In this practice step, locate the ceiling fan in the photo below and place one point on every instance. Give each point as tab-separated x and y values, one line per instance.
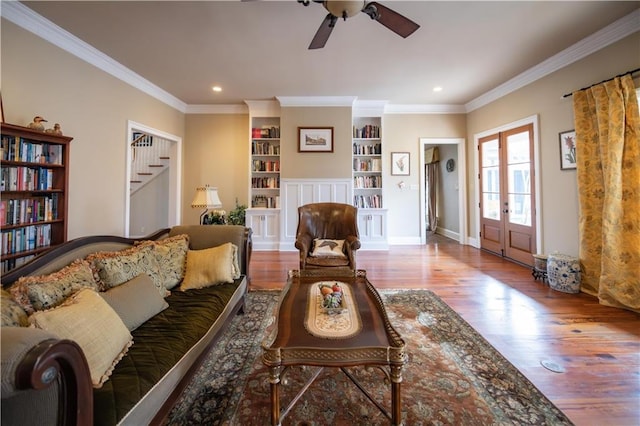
397	23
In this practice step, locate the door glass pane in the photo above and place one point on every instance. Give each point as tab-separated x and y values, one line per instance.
490	179
490	153
518	148
519	178
491	205
520	209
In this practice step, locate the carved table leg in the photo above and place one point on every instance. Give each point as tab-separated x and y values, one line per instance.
274	380
396	395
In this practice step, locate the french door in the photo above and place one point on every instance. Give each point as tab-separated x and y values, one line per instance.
507	201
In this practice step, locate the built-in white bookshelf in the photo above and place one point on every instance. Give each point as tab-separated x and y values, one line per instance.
367	163
265	162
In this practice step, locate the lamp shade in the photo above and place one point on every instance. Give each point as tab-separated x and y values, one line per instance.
206	197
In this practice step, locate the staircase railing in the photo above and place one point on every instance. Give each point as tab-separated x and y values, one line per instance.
150	155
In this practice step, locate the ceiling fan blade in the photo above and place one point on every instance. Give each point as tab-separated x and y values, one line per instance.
397	23
323	33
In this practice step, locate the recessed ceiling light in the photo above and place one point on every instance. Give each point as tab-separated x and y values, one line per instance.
217	89
437	89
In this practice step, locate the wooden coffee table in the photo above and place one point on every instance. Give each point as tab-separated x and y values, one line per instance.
302	336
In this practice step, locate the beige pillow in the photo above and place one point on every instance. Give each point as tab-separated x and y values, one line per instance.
37	293
327	248
135	301
89	321
209	267
236	264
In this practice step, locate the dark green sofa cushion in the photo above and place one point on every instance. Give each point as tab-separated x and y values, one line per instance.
158	345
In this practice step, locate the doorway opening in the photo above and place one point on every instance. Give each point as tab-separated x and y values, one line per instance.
455	181
152	196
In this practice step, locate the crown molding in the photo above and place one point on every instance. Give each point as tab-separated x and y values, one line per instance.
369	108
26	18
316	101
618	30
268	108
216	109
424	109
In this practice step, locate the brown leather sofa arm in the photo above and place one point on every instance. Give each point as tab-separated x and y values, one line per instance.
62	360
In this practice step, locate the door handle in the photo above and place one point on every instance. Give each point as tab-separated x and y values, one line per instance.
505	211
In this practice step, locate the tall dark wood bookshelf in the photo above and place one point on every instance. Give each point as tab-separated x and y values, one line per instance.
34	193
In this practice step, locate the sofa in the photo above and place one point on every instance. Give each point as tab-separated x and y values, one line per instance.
108	330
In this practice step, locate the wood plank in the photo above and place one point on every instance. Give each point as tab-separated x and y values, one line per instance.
524	319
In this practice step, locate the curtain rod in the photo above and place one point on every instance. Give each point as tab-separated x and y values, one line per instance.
603	81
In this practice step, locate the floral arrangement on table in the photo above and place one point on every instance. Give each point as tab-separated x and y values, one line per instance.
220	217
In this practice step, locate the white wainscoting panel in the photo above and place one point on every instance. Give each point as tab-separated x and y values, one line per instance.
298	192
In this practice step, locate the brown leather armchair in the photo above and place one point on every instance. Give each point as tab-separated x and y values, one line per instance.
331	221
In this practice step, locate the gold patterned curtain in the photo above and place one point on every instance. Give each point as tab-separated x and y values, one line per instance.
608	170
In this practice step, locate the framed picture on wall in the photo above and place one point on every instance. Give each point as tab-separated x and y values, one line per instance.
400	163
315	139
568	150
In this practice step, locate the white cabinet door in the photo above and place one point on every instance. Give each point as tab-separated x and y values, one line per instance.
372	226
265	225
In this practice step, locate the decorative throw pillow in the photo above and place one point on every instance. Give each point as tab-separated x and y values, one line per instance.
135	301
37	293
117	267
327	248
89	321
171	254
208	267
13	315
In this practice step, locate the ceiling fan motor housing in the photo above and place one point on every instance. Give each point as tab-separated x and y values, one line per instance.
344	9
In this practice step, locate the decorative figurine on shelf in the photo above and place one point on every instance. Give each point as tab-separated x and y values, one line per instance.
36	124
56	130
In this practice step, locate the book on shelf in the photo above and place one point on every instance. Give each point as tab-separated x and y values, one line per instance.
367	149
265	132
368	201
368	131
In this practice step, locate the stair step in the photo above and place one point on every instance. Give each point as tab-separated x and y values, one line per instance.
165	158
145	174
156	165
135	181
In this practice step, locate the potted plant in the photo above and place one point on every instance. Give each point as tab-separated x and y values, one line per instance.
237	215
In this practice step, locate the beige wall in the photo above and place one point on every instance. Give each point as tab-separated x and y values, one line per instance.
216	153
309	165
92	107
403	133
559	199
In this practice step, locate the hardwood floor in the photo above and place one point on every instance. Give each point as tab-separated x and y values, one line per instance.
597	346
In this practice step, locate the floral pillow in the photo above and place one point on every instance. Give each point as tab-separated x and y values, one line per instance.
13	315
37	293
118	267
171	254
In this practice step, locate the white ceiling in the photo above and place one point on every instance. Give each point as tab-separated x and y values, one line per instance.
258	49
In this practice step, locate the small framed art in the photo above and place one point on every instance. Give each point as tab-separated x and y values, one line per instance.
567	150
400	163
315	139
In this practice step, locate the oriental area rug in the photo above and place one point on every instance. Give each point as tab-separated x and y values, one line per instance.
453	376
